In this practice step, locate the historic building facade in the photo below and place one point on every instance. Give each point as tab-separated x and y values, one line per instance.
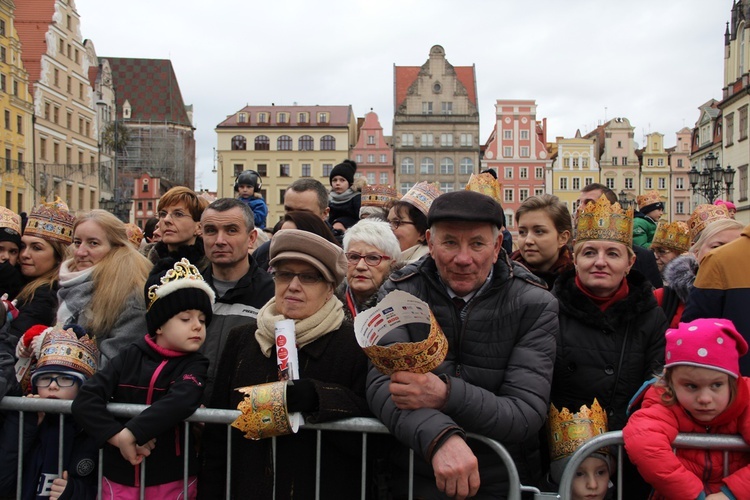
679	183
655	169
435	123
618	162
575	166
372	153
706	139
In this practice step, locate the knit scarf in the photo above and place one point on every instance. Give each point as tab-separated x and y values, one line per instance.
73	297
604	302
343	197
327	319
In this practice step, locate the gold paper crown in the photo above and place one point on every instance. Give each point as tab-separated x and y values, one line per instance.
486	184
568	431
134	233
702	216
51	221
603	221
674	236
648	198
415	357
378	195
421	195
10	220
64	348
182	275
264	411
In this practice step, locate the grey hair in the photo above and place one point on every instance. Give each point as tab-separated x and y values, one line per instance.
376	233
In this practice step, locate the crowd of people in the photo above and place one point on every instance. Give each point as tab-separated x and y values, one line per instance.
600	320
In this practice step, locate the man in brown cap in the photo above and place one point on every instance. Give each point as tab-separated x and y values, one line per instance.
501	326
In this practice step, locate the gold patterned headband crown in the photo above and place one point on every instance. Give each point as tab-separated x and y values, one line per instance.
51	221
486	184
568	431
702	216
422	195
648	198
64	348
605	221
182	275
10	220
378	195
674	236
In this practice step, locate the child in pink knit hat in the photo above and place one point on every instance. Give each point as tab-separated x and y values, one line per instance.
700	391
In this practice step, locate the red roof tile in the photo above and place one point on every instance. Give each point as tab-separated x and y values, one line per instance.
338	116
406	75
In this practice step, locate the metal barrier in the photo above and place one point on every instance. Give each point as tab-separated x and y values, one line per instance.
216	416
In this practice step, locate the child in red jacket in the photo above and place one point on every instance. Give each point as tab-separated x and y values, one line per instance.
700	391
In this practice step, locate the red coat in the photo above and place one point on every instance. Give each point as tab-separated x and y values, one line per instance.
651	430
674	321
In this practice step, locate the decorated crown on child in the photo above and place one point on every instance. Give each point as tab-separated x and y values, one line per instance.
568	431
182	275
64	348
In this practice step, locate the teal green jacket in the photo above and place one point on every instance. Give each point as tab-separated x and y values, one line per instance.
644	228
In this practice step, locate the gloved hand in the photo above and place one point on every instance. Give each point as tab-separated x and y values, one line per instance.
10	307
301	396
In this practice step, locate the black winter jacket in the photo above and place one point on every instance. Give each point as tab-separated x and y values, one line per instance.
39	310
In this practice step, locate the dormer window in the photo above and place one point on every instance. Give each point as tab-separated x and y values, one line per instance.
322	117
303	118
262	117
242	117
282	118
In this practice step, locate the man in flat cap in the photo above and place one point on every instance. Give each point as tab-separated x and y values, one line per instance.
501	326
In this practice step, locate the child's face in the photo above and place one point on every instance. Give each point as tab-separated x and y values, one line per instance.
184	332
68	389
8	252
591	481
701	391
245	190
339	184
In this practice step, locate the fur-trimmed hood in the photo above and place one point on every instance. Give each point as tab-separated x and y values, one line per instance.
679	275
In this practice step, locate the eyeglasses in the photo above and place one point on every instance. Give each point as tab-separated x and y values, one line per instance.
61	380
396	223
371	260
661	251
175	215
304	278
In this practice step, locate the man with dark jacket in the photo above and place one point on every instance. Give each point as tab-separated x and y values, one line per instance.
241	287
501	326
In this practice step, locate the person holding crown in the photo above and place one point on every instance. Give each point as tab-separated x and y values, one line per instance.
611	328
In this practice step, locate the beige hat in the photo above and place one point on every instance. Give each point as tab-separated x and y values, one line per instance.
295	244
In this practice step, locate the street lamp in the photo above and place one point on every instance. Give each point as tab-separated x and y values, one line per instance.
623	200
712	181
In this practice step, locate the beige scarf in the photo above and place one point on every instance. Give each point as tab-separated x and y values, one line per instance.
327	319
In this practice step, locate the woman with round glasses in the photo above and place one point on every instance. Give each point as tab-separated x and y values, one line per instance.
372	253
332	367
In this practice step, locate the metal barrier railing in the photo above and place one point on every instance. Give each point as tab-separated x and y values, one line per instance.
216	416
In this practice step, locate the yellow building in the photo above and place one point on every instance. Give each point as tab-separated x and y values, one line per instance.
16	111
576	166
655	169
283	144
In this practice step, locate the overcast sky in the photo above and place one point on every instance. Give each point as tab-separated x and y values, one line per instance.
652	61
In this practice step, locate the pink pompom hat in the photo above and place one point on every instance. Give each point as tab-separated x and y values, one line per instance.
706	343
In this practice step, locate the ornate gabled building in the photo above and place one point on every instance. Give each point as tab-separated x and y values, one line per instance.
372	153
435	123
618	162
679	166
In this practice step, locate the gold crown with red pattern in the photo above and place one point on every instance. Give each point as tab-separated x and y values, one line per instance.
567	431
378	195
486	184
649	198
605	221
672	235
51	221
63	348
702	216
422	195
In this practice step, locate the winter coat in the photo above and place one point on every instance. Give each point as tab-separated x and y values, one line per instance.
645	263
11	279
644	228
563	263
498	368
689	472
128	328
195	253
80	458
606	355
143	373
345	212
337	366
38	310
236	307
680	275
259	208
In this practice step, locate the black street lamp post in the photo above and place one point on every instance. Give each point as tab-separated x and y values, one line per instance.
623	200
712	181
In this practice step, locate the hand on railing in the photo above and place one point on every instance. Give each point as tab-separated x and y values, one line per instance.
456	468
58	486
129	449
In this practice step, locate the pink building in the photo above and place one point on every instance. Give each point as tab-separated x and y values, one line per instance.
517	151
146	193
373	154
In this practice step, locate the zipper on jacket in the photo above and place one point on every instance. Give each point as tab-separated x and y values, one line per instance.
151	384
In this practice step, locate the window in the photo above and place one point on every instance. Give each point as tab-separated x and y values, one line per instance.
303	118
585	162
8	161
80	197
523	194
263	118
55	115
69	120
629	183
328	143
426	108
15	92
446	108
405	187
538	172
619	144
242	117
610	183
427	166
306	170
2	33
407	166
68	155
358	159
566	162
447	187
650	162
238	168
384	177
56	77
262	143
262	169
370	177
649	183
508	195
88	128
743	123
679	207
285	170
80	91
3	86
538	191
446	140
322	117
284	143
576	183
3	54
7	119
587	181
446	166
306	143
239	143
524	151
524	135
563	183
659	162
19	124
743	183
282	117
56	152
523	173
426	140
507	151
508	172
327	167
679	183
383	158
407	139
467	140
467	166
43	148
614	160
679	163
662	183
507	134
729	129
370	139
370	158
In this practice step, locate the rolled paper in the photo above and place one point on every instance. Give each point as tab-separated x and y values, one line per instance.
287	360
264	411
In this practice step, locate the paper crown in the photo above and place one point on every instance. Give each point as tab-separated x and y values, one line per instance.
182	275
486	183
702	216
604	221
264	411
648	198
421	195
10	220
672	235
568	431
64	348
51	221
415	357
378	195
134	233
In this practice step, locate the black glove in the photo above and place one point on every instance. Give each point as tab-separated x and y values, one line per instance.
301	396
